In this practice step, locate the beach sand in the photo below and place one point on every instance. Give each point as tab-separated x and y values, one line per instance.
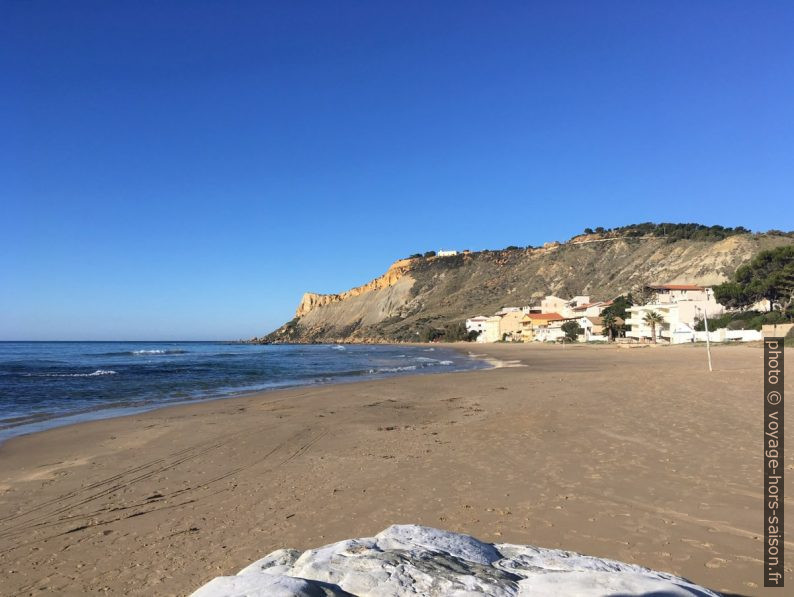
635	454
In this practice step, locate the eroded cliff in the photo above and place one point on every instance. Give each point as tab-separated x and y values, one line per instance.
434	291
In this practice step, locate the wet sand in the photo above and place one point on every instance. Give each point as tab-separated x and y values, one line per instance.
635	454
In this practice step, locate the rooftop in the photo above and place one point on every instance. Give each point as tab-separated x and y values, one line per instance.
544	316
676	287
596	304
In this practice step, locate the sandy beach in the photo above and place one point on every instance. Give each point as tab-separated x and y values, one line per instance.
639	455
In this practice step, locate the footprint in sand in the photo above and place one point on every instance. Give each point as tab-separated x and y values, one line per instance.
716	563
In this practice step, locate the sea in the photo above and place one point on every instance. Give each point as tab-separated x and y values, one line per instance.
47	384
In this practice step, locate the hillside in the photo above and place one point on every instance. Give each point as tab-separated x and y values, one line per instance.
433	291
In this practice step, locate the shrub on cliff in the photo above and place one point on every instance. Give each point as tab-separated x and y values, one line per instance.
456	332
429	334
673	232
770	276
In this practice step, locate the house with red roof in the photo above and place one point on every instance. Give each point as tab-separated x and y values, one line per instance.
590	309
535	325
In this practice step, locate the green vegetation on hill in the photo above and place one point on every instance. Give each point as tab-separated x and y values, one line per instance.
452	332
671	232
770	276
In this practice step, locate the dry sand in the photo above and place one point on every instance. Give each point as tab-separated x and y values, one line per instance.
638	455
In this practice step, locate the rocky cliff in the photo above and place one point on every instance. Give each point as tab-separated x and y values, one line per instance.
312	300
433	291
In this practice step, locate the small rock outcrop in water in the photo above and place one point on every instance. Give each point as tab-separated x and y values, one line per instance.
416	560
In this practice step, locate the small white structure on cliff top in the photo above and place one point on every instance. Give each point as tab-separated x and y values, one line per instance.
443	253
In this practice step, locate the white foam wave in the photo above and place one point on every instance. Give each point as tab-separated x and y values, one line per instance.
423	364
338	347
393	369
97	373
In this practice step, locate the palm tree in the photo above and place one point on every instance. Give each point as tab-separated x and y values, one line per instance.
652	318
608	321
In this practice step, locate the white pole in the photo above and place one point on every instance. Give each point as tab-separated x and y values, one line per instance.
708	344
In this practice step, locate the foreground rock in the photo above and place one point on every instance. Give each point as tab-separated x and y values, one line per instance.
415	560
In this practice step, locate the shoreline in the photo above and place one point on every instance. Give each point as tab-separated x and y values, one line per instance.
46	422
114	412
596	451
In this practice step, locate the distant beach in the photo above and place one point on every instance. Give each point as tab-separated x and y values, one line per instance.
636	455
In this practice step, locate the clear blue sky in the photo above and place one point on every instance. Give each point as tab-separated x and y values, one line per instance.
188	169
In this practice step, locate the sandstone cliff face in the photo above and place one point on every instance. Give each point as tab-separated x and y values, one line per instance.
415	293
312	300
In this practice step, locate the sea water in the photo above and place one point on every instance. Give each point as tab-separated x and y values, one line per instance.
45	384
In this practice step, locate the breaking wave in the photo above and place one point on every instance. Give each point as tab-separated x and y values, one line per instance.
97	373
393	369
422	365
141	353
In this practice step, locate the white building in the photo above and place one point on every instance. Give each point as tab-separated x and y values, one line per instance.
565	307
552	304
591	309
504	325
680	305
443	253
676	293
476	324
670	325
680	309
491	330
578	301
683	334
